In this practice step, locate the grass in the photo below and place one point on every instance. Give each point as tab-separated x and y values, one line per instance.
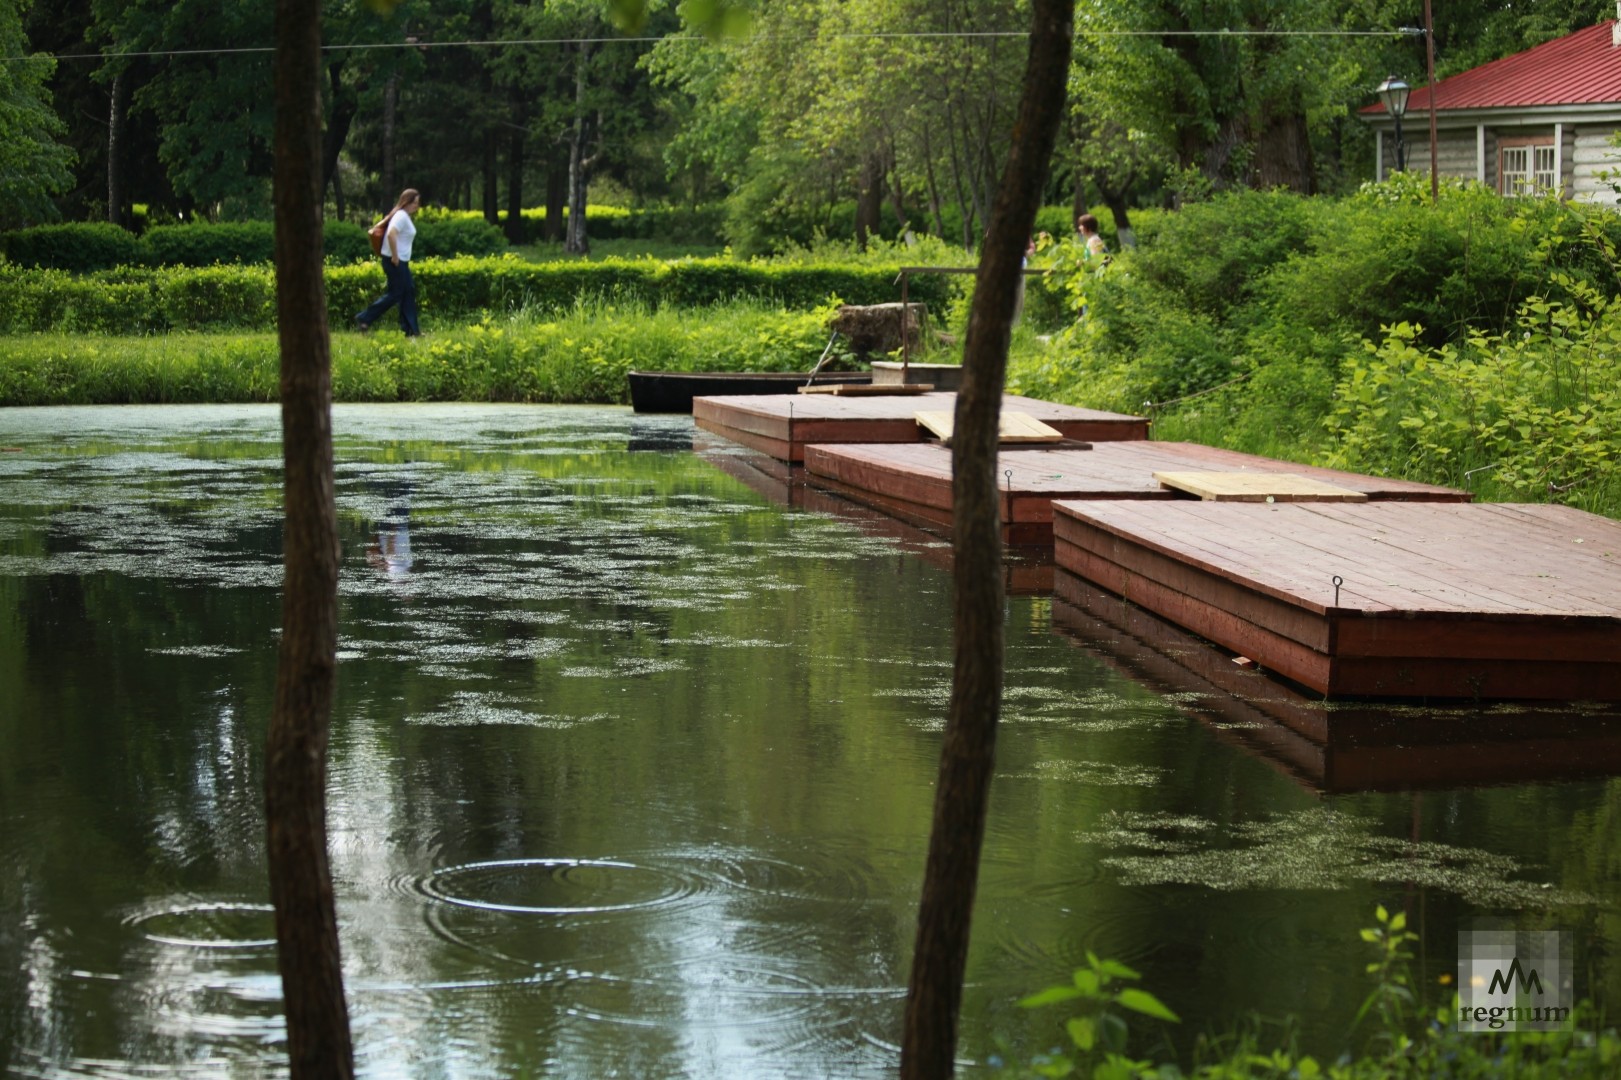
580	356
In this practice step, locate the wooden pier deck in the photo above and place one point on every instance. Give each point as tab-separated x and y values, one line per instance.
1336	747
782	425
1027	573
1445	600
914	480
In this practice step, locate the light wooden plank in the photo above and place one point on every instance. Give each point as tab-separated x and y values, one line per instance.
1258	487
1011	427
868	389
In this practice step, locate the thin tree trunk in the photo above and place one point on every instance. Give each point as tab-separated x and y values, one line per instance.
391	109
967	756
515	167
318	1039
578	243
934	188
117	137
345	104
869	198
1115	199
893	190
556	195
492	189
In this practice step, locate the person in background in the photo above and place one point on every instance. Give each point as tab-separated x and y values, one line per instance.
1087	226
1018	295
398	233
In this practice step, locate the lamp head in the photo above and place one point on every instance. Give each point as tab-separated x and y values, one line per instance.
1393	92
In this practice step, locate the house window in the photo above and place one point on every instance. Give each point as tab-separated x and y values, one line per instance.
1526	165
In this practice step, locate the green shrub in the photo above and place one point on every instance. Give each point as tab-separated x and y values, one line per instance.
206	245
78	246
456	236
243	297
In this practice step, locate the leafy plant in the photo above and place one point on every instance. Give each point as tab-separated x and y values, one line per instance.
1098	1032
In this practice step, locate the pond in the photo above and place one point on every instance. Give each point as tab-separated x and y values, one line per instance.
632	768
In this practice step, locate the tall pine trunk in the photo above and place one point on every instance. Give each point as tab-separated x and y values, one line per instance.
967	756
318	1039
117	138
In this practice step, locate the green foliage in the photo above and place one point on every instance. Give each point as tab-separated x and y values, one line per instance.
1413	1039
88	246
1534	413
141	300
76	246
1098	1033
33	165
457	235
1243	322
580	355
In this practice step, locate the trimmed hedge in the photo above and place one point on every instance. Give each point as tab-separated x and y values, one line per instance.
135	300
84	247
679	225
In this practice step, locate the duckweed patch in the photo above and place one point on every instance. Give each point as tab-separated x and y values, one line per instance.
1311	849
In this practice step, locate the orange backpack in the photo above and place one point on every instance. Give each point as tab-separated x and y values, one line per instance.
377	232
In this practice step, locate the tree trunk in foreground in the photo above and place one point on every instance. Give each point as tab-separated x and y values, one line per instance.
967	756
318	1041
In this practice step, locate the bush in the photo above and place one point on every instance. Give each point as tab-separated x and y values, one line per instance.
243	297
87	247
1237	318
79	247
206	245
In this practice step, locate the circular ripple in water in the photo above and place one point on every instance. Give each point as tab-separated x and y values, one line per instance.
223	925
720	993
557	886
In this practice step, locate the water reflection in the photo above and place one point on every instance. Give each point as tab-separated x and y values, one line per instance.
635	774
1336	747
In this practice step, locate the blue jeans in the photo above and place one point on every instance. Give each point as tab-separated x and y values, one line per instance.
402	291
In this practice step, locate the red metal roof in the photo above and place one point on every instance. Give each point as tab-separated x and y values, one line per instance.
1583	68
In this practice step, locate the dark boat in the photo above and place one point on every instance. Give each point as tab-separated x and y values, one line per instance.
673	391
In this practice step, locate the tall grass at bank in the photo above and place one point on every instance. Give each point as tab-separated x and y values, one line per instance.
581	356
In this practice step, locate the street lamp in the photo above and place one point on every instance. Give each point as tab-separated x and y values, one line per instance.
1393	92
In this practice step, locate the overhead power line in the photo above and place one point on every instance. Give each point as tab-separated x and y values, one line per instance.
615	39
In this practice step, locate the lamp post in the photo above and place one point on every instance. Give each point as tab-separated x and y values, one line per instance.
1393	92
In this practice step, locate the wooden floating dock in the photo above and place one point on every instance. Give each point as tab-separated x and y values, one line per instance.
1336	747
1026	574
914	480
1444	600
783	425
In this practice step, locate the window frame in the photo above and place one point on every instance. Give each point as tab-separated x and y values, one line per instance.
1528	183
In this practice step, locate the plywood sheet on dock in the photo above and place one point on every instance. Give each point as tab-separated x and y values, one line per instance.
1496	601
1257	487
1337	746
914	481
783	425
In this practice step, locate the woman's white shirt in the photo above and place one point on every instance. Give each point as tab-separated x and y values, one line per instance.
403	231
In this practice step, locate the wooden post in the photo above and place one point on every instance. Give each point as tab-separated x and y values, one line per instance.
1435	148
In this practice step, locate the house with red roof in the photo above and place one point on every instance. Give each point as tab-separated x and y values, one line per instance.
1538	120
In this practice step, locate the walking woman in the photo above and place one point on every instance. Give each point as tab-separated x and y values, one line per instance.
398	232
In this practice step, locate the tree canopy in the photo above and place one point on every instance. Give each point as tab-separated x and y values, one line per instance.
850	116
